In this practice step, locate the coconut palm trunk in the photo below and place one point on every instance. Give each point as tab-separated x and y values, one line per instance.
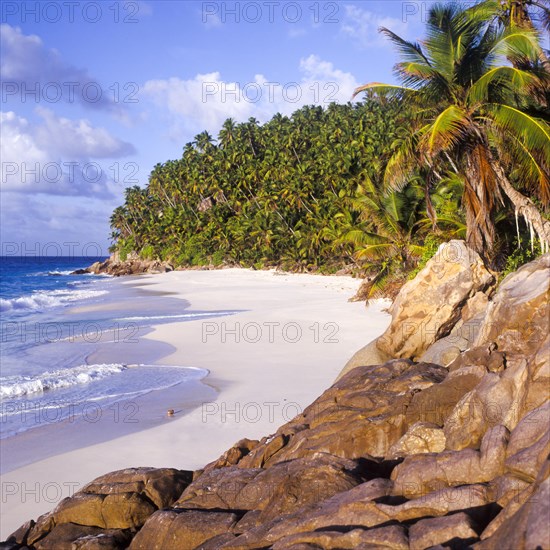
524	206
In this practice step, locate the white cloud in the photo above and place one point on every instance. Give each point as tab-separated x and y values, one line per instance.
143	8
77	138
337	84
206	100
296	32
47	224
56	157
24	55
211	20
17	142
362	26
32	72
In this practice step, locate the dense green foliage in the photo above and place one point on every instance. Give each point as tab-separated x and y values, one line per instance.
477	118
373	187
300	192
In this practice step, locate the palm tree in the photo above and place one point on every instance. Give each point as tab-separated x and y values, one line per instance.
203	141
276	194
226	135
530	15
470	117
527	14
388	248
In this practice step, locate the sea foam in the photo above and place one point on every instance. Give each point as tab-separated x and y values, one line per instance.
44	299
18	386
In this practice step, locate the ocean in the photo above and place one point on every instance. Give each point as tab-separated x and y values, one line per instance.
74	355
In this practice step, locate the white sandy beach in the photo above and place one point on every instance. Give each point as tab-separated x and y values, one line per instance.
295	332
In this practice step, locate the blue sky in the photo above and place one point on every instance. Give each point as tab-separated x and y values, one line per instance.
94	94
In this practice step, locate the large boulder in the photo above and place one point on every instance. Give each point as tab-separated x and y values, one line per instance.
361	415
523	524
458	528
421	437
445	350
354	507
428	307
119	500
182	530
514	345
133	265
366	356
393	537
518	317
162	486
529	444
72	536
278	490
422	474
365	509
436	403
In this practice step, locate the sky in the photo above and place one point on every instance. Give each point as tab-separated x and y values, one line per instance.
94	94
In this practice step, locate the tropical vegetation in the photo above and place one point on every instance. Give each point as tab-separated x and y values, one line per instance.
459	148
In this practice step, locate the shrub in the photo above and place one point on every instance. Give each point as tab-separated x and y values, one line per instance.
521	255
147	252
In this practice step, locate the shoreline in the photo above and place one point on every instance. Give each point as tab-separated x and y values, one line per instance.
55	425
268	361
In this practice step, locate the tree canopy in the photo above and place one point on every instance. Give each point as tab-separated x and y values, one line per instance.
476	116
461	148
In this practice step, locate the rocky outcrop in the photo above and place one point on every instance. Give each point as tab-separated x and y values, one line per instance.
133	265
428	307
426	533
111	509
434	316
400	455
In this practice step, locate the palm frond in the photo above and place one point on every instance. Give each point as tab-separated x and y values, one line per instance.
526	168
402	164
416	250
448	129
533	132
445	30
375	251
519	44
386	89
410	51
415	75
484	11
393	203
510	78
360	237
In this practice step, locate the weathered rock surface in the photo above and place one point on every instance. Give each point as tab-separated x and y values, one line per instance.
516	319
361	415
393	537
428	307
120	500
523	524
421	474
354	507
398	455
366	356
445	350
72	536
133	265
422	437
458	528
281	489
182	530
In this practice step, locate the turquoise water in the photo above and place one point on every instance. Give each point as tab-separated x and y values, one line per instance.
55	325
